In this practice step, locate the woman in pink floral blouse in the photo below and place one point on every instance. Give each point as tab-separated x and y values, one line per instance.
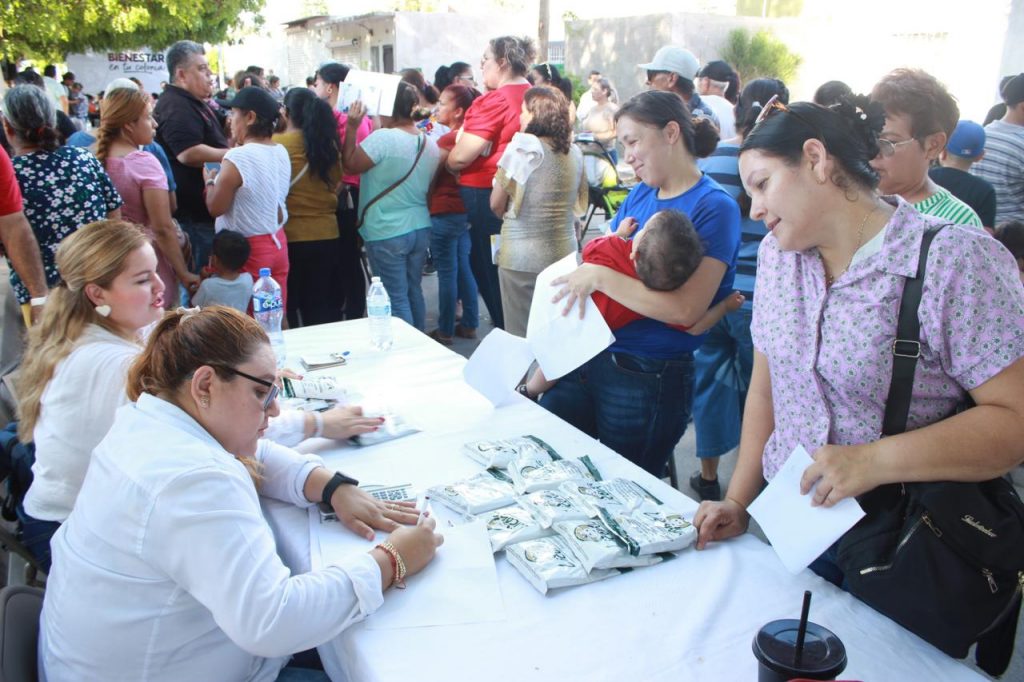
830	277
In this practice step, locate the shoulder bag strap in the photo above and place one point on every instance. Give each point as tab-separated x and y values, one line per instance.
906	347
420	146
299	176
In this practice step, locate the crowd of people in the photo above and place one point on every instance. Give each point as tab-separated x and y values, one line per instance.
751	278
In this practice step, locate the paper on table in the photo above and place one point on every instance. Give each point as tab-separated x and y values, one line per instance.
799	532
459	586
561	343
498	364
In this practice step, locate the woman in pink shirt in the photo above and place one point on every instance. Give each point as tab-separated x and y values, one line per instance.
126	124
829	279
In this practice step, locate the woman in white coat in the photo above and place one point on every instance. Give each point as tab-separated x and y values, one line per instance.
166	568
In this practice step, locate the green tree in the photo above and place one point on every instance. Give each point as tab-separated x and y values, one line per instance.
760	55
50	30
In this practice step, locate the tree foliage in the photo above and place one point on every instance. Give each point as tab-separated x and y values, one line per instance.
51	29
760	55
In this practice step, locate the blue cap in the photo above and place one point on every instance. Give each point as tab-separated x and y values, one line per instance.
967	140
264	272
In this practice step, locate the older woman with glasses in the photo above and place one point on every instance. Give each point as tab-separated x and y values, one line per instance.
166	568
830	277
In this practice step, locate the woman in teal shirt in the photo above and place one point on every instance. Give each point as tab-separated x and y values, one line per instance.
394	218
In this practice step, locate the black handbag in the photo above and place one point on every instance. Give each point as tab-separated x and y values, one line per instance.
943	559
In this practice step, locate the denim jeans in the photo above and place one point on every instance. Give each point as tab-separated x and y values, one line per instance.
399	264
200	235
482	224
450	246
35	536
636	406
723	366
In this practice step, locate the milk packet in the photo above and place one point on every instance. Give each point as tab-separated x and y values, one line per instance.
496	454
508	525
481	493
549	506
548	563
319	387
650	529
529	475
598	547
618	494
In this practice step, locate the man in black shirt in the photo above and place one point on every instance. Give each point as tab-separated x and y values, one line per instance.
966	146
191	135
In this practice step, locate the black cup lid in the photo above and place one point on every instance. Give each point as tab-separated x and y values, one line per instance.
824	655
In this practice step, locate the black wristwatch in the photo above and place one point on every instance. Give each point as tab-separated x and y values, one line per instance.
336	480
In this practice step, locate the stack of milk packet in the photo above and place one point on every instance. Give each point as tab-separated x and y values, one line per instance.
558	521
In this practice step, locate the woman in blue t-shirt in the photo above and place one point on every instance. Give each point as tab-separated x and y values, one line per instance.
636	396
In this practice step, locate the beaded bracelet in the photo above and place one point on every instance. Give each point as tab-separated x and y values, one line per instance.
397	563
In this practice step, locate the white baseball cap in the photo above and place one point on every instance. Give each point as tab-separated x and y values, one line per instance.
674	59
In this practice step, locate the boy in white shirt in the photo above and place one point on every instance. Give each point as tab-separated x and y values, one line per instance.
227	284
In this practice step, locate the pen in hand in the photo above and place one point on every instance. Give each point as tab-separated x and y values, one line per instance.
423	504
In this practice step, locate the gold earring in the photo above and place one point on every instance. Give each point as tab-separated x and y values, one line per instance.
205	402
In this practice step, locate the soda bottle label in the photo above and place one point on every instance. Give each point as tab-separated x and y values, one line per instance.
266	303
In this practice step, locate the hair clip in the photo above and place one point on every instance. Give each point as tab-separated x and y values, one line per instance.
187	312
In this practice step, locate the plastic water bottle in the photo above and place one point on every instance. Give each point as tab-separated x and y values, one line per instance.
268	311
378	309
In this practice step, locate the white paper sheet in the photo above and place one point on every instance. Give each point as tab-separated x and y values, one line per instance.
376	90
459	586
561	343
498	364
799	532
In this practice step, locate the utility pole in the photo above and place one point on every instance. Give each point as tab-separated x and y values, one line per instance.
542	31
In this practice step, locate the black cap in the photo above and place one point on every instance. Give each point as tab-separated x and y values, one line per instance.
256	100
716	71
1013	91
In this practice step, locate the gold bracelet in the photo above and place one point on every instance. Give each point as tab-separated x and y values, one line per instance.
399	563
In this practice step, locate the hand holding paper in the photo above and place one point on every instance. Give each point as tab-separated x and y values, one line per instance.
798	531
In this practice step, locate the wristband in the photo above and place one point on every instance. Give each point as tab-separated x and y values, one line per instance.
318	424
37	301
397	563
336	480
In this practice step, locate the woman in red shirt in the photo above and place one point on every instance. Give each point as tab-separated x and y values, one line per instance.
490	123
449	230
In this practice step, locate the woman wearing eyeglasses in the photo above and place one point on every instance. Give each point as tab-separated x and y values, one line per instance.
829	280
166	568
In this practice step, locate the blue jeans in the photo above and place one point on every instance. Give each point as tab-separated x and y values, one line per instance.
35	536
450	246
482	224
636	406
200	235
399	264
723	366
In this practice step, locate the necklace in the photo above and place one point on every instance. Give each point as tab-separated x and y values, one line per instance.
830	279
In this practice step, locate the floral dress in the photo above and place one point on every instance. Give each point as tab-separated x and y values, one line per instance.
62	191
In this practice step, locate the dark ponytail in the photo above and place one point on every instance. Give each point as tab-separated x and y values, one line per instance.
425	90
320	138
407	104
446	75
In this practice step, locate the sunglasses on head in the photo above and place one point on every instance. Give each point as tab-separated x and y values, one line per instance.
775	105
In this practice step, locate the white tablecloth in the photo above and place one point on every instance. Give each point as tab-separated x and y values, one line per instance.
693	618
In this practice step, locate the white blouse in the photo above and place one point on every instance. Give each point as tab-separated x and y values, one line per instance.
167	570
259	205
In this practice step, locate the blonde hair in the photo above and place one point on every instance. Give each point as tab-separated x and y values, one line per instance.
184	341
96	254
120	107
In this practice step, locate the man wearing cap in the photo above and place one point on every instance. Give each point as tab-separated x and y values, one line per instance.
966	146
1003	165
673	70
191	135
715	81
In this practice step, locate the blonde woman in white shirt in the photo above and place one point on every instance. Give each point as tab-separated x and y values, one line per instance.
249	192
72	377
166	568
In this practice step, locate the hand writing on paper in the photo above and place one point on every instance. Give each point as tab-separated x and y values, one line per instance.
840	471
720	521
361	512
577	286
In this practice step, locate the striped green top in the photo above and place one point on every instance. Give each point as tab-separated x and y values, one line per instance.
944	205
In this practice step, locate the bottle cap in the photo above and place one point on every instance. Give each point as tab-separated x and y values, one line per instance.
374	280
264	272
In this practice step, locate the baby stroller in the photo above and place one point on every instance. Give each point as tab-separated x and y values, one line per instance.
606	190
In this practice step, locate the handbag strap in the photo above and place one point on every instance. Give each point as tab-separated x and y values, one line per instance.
299	176
906	347
420	146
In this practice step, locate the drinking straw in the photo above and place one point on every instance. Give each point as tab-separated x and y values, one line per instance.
802	632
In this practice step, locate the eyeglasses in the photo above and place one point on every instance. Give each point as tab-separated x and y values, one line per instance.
774	105
468	79
274	389
887	148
